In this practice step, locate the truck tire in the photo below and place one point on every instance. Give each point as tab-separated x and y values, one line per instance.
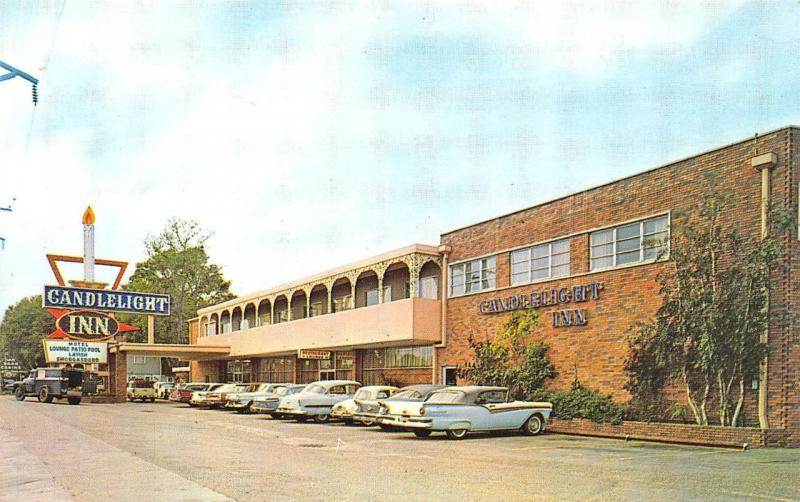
19	394
44	395
74	400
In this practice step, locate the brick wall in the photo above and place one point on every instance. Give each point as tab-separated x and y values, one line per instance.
668	433
597	351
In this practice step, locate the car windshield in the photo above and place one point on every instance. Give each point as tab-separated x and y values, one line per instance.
315	389
264	387
407	394
363	394
444	397
196	387
288	391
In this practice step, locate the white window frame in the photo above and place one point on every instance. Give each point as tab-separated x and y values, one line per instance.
530	259
614	240
491	265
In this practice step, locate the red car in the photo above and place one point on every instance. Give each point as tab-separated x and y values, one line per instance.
184	395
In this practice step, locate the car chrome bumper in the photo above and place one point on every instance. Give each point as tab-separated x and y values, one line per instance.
406	422
290	411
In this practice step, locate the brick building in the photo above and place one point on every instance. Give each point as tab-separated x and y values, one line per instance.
587	262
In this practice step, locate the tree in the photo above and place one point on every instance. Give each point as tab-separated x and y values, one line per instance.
24	326
177	264
706	334
509	360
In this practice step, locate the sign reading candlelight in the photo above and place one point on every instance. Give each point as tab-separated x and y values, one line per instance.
546	297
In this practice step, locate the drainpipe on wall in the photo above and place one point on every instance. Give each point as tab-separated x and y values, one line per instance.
764	163
444	251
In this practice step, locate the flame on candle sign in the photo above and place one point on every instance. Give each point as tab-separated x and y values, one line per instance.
88	216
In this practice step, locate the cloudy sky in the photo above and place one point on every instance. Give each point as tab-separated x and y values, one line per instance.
305	135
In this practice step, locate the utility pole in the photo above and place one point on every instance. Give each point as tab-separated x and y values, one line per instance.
19	73
3	239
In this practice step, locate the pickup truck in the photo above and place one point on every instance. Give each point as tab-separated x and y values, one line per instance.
55	383
142	390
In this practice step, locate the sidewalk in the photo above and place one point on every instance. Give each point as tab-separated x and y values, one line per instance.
23	476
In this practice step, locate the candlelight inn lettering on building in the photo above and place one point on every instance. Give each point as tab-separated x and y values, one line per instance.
548	297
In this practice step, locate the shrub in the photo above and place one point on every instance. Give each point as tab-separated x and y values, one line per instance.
581	402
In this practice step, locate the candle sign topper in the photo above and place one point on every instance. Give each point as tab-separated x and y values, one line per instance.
80	310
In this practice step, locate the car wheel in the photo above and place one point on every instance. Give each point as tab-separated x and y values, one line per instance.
423	433
301	419
275	416
456	434
368	422
321	419
192	405
533	426
347	421
74	400
385	427
44	395
19	394
152	400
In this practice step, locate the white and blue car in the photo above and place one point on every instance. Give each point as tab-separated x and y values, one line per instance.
317	400
459	410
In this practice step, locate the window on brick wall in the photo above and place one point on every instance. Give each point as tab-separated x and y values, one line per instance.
544	261
637	242
472	276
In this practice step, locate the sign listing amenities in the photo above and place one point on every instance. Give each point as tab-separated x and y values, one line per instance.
61	297
70	351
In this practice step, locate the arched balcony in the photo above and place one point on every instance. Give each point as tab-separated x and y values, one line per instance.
341	295
430	278
225	322
213	324
318	301
236	319
203	331
281	310
396	283
299	307
367	289
264	312
249	320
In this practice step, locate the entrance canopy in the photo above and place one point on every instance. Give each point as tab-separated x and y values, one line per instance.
180	351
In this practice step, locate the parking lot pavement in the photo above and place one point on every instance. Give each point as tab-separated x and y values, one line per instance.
148	451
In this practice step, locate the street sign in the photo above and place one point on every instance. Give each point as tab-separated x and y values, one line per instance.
61	297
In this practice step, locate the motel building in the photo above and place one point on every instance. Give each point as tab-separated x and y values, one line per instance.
374	321
587	262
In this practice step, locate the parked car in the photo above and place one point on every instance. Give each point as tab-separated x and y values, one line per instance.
142	390
268	403
242	401
459	410
406	399
201	397
317	399
219	397
184	394
55	383
345	410
163	389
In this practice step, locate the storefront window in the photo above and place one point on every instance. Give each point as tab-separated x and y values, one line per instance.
376	361
239	371
276	370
